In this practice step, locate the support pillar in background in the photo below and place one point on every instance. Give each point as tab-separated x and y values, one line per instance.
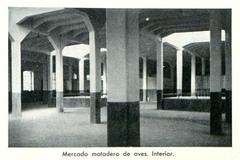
145	79
228	68
122	32
45	82
95	77
215	73
203	66
193	75
81	75
159	83
105	75
203	92
179	71
58	44
50	79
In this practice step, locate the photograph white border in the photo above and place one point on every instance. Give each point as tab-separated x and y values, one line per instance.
181	153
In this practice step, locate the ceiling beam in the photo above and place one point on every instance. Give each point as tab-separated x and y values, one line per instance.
164	33
35	39
193	24
164	16
74	20
66	28
31	49
172	21
38	21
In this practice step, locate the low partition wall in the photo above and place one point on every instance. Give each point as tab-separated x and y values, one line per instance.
189	104
80	101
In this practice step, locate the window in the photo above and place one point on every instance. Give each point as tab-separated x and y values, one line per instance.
75	76
28	81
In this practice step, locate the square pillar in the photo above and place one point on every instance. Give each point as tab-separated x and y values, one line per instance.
215	73
95	77
45	81
81	75
105	76
122	32
179	71
228	67
50	79
17	35
58	44
203	66
159	83
193	75
16	78
59	80
145	78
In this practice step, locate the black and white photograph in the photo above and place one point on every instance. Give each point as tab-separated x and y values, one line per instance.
82	77
144	80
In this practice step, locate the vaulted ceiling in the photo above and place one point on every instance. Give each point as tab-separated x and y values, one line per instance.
201	49
69	24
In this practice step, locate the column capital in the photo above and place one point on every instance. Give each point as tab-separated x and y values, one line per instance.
57	41
82	59
180	49
159	39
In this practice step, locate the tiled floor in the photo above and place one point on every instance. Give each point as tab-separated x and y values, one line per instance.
44	127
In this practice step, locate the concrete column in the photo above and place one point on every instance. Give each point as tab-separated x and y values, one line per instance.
21	80
203	66
122	32
202	77
70	78
159	74
193	75
16	78
58	45
105	76
145	79
215	73
179	71
81	75
59	80
45	82
17	34
95	78
228	68
50	79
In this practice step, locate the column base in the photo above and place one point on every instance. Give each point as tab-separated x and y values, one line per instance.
16	104
81	92
193	94
216	113
95	107
59	101
160	102
179	92
228	106
144	93
123	124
